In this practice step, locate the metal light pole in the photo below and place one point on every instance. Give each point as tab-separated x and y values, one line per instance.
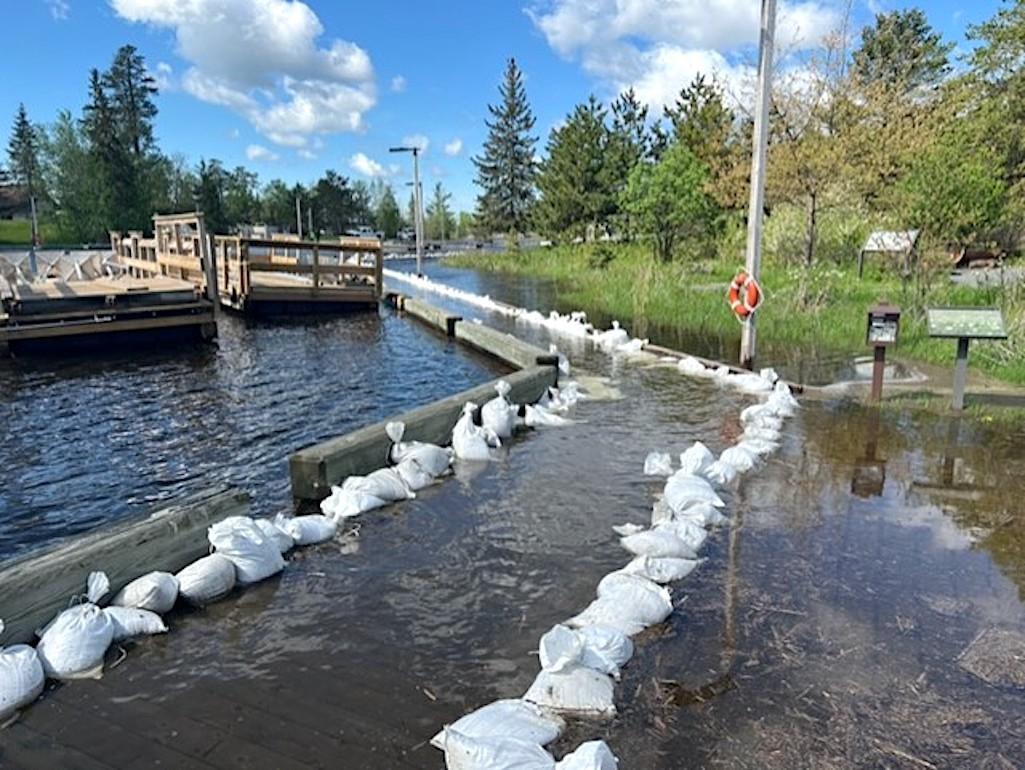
761	141
418	212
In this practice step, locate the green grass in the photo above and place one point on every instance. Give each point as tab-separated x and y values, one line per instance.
18	232
823	309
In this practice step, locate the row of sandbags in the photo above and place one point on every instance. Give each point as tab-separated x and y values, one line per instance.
415	464
581	658
74	643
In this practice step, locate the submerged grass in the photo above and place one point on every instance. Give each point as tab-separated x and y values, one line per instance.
823	307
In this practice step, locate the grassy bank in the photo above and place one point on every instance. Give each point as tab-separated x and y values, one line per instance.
822	308
18	232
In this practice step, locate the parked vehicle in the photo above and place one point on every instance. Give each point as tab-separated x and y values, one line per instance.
365	231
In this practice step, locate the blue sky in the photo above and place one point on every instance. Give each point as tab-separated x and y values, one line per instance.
292	88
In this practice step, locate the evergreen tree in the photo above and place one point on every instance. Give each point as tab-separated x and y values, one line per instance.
209	195
241	202
71	179
117	188
576	185
387	214
506	168
132	89
440	222
335	206
901	50
277	205
23	152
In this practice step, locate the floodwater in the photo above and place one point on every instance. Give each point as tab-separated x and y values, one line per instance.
88	441
827	628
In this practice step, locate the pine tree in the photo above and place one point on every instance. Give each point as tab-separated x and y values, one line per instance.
440	222
629	143
506	168
23	152
901	50
576	188
132	89
387	214
209	195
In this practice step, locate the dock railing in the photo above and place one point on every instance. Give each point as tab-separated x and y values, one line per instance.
179	248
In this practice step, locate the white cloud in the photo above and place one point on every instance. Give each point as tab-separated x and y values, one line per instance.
59	9
260	153
416	140
163	76
262	59
455	147
234	133
398	84
306	154
659	46
361	164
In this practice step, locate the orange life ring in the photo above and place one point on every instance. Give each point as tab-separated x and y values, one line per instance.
745	295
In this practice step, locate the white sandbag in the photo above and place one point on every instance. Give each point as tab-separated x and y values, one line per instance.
21	677
413	474
431	457
758	432
633	346
660	570
601	648
769	375
256	557
576	690
691	533
538	417
468	441
659	512
659	543
345	503
702	514
384	483
563	361
649	602
749	382
721	473
593	755
684	489
696	459
206	580
463	752
782	400
498	414
608	613
658	464
738	458
612	338
131	621
281	538
627	529
73	645
758	447
691	367
307	530
154	591
510	718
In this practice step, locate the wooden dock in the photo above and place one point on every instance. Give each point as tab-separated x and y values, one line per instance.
288	275
95	302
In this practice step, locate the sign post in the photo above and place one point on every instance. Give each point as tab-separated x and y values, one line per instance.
881	332
965	324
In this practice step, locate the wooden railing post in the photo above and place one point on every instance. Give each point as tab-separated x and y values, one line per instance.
378	272
316	268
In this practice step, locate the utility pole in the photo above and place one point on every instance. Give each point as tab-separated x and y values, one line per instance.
761	142
298	218
418	212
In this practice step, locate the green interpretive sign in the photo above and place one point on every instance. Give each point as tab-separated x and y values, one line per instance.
980	323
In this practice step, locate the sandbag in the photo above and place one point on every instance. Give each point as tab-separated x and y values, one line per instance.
684	489
564	369
154	591
612	338
658	464
691	533
648	601
538	416
131	621
463	752
696	459
468	441
431	457
660	570
384	483
413	474
608	613
510	718
307	530
659	543
627	529
738	458
498	414
721	473
749	382
282	539
21	677
756	432
758	447
256	557
345	503
593	755
702	514
691	367
206	580
74	643
598	647
575	690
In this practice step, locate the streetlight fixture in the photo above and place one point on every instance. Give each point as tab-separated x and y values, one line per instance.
418	213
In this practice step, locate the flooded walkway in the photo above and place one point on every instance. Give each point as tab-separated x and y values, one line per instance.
827	628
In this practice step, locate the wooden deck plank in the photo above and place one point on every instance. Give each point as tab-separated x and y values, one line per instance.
99	287
27	749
